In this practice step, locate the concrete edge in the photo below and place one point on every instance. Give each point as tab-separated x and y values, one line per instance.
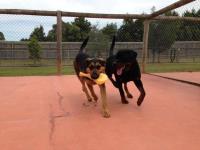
183	81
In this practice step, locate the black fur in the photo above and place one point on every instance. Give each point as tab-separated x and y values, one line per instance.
80	60
125	68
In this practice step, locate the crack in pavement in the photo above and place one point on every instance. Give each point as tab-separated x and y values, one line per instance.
53	117
52	127
60	102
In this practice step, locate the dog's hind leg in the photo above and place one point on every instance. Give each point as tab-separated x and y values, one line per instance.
121	91
127	91
140	87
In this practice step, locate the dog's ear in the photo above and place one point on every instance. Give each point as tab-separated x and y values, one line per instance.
88	60
133	55
102	61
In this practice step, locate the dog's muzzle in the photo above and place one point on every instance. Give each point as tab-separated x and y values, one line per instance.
94	75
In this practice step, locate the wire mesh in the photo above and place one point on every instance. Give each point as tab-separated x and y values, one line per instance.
169	41
128	32
176	40
16	32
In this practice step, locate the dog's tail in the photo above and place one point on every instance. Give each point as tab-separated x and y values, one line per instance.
83	45
112	46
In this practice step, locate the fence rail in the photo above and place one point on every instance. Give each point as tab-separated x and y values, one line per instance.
60	50
94	15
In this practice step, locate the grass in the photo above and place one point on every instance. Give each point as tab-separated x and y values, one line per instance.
33	71
173	67
51	70
29	63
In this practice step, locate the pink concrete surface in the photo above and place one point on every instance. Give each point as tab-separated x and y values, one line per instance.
186	76
46	113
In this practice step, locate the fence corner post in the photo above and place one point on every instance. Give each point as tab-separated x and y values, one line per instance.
145	45
59	42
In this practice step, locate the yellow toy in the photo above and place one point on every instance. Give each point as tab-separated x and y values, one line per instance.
100	80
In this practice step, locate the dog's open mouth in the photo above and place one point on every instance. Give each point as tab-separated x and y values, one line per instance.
120	70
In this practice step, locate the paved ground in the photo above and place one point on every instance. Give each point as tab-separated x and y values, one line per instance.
46	113
186	76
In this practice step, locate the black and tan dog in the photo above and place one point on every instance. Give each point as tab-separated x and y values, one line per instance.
125	68
93	66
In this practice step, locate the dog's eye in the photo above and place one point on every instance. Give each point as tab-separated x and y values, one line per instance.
98	67
91	67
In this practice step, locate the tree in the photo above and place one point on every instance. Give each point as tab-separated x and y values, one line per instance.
2	38
198	13
189	31
110	30
51	36
34	49
153	9
138	31
98	43
162	35
84	27
124	32
70	33
130	30
24	39
38	32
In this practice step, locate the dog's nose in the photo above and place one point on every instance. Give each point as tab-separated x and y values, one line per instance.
94	75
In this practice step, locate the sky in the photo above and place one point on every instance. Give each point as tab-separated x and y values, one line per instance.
17	27
101	6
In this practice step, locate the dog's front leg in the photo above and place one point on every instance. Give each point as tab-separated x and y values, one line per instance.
106	113
84	88
92	92
113	82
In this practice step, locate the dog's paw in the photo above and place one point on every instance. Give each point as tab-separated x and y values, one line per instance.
95	98
124	101
129	96
140	100
106	114
95	103
86	104
89	99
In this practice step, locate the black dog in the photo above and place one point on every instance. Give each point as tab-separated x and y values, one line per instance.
125	68
93	66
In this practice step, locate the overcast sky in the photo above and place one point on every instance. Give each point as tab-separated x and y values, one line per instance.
16	27
101	6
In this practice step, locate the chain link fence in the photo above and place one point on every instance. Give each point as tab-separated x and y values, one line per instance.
14	50
16	33
175	40
169	40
